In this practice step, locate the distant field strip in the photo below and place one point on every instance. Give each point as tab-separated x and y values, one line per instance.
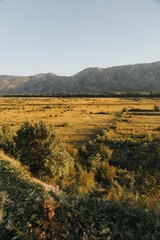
76	120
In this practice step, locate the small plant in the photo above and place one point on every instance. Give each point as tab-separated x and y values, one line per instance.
113	126
105	131
125	109
65	124
156	108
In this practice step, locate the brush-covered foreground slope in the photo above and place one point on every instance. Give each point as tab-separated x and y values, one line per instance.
27	212
21	200
137	78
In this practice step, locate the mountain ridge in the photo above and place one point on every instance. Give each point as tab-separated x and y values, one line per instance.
141	77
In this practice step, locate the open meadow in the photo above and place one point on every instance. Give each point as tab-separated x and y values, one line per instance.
76	120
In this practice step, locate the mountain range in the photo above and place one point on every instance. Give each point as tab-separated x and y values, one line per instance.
126	78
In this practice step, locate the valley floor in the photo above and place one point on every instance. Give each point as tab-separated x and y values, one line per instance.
76	120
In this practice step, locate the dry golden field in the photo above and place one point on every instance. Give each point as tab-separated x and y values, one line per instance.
78	119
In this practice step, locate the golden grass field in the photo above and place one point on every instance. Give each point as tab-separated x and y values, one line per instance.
85	117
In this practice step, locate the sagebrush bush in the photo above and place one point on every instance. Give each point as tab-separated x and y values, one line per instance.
6	139
33	144
38	147
156	108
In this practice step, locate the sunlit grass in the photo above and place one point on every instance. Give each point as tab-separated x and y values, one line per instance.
83	116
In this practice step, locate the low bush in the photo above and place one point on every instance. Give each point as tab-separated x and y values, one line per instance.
38	147
65	124
156	108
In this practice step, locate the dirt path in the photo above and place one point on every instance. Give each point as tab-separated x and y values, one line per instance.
17	164
47	186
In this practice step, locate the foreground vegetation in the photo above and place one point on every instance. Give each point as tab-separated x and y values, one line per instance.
29	212
109	186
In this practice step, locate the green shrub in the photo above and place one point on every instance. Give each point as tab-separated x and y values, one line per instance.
105	131
33	144
6	139
156	108
38	147
114	125
65	124
125	109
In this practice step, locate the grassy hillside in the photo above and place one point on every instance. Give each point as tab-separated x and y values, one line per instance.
21	200
28	212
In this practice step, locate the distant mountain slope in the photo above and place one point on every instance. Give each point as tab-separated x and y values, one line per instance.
138	78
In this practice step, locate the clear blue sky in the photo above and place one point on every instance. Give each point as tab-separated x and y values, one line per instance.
67	36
